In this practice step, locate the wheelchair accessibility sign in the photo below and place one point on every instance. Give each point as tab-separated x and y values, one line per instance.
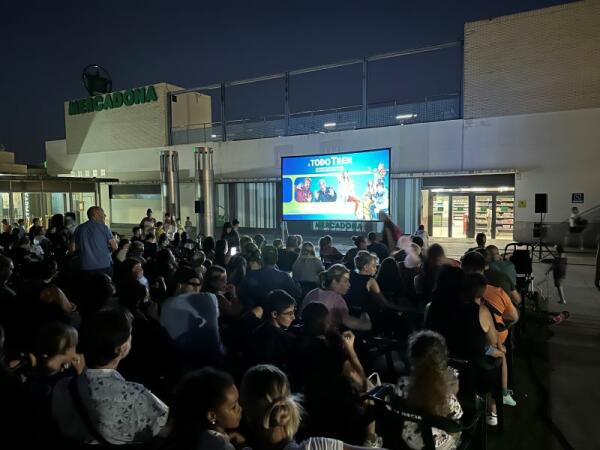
577	197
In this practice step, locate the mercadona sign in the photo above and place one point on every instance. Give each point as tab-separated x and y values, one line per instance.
113	100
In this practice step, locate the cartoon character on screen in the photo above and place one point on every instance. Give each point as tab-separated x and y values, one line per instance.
380	201
325	193
379	173
303	192
368	200
346	191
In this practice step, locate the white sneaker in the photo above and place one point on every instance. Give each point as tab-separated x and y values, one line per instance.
508	400
491	418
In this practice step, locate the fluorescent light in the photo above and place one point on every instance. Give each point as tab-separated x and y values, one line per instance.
213	136
329	124
405	116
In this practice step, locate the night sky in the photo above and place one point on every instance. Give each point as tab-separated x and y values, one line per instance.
44	46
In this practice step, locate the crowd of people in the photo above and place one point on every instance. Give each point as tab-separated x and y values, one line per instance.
158	339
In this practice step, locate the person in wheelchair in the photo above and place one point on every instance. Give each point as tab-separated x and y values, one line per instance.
431	387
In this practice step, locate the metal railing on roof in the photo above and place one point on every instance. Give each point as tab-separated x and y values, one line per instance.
446	107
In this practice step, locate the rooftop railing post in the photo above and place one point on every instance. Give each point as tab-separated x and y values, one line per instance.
287	103
169	119
365	87
223	112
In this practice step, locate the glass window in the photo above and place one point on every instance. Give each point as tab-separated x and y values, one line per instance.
5	204
32	206
440	215
222	204
81	202
255	204
18	206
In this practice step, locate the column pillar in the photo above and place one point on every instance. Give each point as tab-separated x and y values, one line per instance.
203	158
169	180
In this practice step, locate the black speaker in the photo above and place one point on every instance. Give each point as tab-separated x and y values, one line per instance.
199	206
541	203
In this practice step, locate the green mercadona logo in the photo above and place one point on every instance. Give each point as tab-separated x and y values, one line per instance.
113	100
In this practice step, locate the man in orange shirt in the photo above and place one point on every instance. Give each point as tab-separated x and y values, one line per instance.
498	301
503	312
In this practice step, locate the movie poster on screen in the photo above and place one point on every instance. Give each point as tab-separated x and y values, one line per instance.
340	186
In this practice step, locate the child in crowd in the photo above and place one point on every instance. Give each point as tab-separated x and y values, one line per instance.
206	412
558	268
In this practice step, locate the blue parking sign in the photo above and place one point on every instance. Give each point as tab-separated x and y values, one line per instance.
577	197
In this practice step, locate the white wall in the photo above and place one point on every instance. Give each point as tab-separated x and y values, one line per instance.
557	153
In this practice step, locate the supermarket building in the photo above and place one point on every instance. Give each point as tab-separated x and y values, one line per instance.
524	121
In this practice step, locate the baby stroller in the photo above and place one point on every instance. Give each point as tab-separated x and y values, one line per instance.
521	255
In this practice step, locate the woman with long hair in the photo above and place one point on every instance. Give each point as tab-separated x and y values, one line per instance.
307	267
328	253
221	253
389	280
431	387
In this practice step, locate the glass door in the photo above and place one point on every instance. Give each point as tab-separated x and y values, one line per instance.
505	216
483	214
440	214
460	216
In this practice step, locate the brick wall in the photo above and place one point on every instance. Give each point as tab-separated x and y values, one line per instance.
537	61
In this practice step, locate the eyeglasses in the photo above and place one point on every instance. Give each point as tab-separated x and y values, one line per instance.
194	284
287	313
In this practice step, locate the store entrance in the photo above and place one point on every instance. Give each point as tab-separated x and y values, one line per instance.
456	213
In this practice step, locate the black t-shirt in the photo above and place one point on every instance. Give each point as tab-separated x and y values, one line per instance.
499	279
286	259
271	345
379	249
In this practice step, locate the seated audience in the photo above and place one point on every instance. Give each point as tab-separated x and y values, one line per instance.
498	302
503	265
258	283
119	411
307	267
270	342
377	247
388	279
287	257
360	244
274	415
431	387
205	412
328	253
191	318
334	283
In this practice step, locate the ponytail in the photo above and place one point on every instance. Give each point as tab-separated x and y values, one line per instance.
268	403
334	273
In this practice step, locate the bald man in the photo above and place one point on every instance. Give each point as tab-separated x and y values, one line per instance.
95	243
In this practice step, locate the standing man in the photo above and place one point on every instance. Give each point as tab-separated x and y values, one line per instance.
147	222
235	239
95	243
